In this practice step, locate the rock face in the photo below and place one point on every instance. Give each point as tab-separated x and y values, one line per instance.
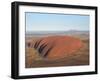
54	47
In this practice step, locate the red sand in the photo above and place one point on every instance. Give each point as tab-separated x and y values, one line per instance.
54	47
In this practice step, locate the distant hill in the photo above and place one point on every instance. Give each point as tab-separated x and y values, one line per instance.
79	34
71	32
48	33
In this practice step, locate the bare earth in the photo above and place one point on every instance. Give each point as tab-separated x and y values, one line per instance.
33	58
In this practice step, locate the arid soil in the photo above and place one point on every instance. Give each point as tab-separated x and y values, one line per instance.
56	51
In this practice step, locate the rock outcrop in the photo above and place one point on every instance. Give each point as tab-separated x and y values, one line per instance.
53	47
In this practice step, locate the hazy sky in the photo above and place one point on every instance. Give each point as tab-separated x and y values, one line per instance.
56	22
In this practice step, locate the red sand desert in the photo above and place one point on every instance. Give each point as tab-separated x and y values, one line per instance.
56	47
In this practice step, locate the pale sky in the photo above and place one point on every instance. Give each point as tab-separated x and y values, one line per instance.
56	22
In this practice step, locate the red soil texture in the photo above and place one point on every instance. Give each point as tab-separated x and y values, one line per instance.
55	47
